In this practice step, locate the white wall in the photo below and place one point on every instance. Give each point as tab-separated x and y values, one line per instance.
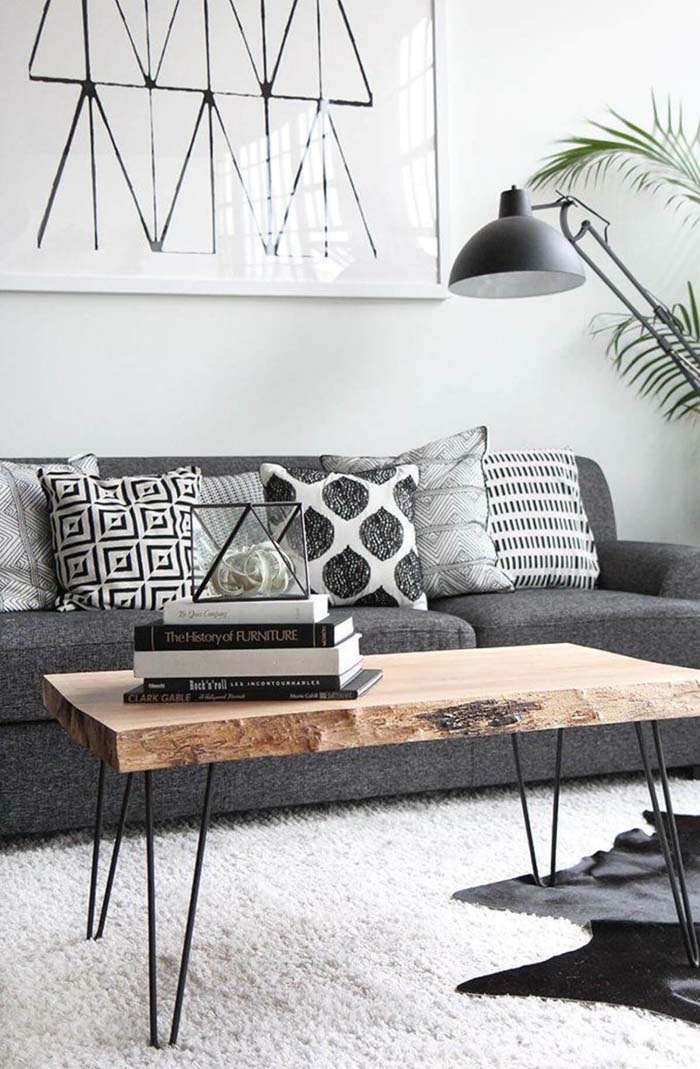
195	375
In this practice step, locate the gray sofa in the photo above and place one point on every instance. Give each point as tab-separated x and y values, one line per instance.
647	605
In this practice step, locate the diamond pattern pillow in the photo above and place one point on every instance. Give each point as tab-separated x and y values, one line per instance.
457	553
27	573
122	543
360	536
538	519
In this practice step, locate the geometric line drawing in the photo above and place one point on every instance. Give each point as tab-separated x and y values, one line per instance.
155	218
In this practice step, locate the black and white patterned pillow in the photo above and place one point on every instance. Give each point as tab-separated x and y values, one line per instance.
538	520
360	536
27	573
122	543
245	488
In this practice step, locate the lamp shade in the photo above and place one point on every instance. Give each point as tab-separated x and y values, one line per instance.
516	255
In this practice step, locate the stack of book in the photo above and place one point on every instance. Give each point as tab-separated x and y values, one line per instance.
250	651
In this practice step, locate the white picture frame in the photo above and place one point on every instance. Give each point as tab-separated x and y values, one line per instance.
416	278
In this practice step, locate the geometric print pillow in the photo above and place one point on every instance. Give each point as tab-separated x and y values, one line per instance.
360	538
457	553
122	543
244	488
538	519
27	573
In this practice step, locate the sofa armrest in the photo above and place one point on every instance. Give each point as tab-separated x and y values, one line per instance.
657	568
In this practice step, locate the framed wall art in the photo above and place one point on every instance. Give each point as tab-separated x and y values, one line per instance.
224	146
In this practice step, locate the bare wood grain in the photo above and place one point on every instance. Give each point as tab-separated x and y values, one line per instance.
423	697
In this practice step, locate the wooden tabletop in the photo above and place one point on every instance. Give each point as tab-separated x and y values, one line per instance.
423	697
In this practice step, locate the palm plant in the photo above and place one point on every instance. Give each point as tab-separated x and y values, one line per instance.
664	160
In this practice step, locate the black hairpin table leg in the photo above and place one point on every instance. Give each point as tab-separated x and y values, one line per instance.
151	889
673	856
192	912
151	897
555	811
96	850
115	857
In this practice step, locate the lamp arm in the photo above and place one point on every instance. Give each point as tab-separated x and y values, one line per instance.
688	362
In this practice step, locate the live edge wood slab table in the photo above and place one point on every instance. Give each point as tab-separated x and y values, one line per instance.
423	697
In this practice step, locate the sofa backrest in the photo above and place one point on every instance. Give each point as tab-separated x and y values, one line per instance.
597	499
112	466
594	486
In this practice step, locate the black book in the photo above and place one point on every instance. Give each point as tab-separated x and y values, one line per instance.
330	631
309	690
264	685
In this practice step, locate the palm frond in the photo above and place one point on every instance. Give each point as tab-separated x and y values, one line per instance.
673	379
663	159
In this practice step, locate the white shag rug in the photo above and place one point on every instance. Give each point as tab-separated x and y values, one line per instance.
325	937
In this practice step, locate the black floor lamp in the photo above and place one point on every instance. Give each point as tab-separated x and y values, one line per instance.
518	255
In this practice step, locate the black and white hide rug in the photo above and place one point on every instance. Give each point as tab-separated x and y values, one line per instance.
636	956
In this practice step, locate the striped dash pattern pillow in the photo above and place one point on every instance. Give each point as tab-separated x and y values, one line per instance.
538	521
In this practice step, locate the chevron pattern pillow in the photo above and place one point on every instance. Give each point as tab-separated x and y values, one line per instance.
456	552
538	519
27	573
122	543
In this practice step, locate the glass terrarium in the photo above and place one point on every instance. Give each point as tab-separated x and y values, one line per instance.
249	552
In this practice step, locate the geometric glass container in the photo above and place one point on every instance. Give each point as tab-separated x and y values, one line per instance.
249	552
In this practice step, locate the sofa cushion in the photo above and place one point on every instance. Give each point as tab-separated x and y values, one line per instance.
638	625
33	644
407	631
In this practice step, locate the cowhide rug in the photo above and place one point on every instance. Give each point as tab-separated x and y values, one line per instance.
636	955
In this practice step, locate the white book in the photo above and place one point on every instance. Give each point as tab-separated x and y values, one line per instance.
281	611
175	664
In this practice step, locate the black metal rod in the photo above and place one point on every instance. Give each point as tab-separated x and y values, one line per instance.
192	912
684	917
151	897
221	554
656	306
115	857
96	850
658	820
526	811
675	842
555	810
